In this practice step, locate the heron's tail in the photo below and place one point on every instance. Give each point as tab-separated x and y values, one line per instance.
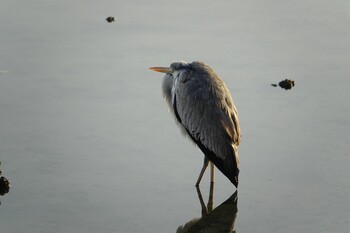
229	166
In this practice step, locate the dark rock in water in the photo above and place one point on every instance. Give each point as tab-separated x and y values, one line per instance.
286	84
274	85
4	185
110	19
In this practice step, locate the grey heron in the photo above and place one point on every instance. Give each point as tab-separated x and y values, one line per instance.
204	110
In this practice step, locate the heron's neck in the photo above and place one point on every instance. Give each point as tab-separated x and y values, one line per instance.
174	88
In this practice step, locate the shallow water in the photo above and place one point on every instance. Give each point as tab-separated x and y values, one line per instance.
89	146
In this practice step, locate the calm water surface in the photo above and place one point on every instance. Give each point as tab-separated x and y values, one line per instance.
89	145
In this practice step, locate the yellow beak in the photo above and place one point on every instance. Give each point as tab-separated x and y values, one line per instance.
162	69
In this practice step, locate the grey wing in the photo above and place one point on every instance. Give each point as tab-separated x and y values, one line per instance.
210	117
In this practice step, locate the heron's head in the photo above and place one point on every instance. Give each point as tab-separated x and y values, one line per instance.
175	71
176	76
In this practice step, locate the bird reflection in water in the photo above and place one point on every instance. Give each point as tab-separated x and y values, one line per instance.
221	219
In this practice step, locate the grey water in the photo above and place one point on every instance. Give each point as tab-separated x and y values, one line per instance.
89	145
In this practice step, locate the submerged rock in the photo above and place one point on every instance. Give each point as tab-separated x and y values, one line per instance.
4	184
286	84
110	19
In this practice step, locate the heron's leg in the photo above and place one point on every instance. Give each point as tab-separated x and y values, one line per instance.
211	172
205	165
204	208
211	198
